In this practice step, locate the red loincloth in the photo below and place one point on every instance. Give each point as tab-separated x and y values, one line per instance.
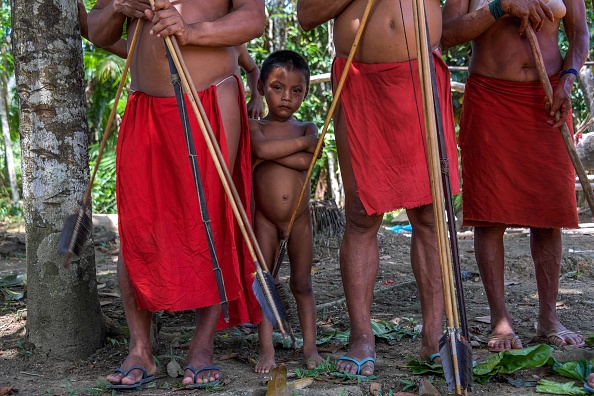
515	167
386	132
161	230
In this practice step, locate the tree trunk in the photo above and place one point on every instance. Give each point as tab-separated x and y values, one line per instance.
64	316
10	169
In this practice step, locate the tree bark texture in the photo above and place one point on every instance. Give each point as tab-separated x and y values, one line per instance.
64	316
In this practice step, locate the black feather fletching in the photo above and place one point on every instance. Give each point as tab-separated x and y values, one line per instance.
463	352
76	230
264	301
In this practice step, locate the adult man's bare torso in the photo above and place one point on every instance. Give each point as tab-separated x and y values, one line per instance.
500	52
207	65
389	34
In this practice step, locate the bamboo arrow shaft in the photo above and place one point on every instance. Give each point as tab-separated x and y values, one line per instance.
443	247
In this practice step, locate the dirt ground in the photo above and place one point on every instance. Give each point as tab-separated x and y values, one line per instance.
396	298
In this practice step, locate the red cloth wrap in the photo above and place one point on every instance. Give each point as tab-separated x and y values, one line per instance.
386	132
515	167
162	235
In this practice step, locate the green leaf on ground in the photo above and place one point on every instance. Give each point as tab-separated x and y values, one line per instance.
557	388
13	280
382	329
507	362
577	370
12	295
423	367
590	340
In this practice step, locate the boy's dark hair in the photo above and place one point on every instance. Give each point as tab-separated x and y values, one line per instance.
289	60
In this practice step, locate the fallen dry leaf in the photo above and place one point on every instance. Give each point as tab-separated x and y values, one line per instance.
277	386
427	388
228	356
174	369
483	319
300	383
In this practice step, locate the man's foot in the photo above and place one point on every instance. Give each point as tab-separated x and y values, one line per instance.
202	377
561	337
265	363
504	342
360	359
124	376
350	365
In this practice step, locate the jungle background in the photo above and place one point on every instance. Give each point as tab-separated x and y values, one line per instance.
44	346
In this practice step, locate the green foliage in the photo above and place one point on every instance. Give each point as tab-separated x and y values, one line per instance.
556	388
103	192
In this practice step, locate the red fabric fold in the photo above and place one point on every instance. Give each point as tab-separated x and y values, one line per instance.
162	235
386	132
515	167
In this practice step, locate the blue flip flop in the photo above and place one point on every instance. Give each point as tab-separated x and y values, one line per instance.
202	384
588	387
433	357
357	362
145	378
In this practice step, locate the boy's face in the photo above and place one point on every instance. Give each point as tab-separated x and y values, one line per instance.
284	91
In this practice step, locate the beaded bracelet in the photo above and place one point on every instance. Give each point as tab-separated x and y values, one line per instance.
568	71
496	9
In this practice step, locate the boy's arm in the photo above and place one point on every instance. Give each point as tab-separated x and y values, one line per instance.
298	161
255	106
302	160
272	149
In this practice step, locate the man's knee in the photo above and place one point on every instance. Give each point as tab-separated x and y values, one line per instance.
422	217
357	217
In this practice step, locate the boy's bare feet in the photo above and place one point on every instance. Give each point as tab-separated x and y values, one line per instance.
265	363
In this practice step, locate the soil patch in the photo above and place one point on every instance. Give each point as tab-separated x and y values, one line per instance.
396	299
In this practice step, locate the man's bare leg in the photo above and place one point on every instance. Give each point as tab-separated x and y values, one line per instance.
267	235
489	252
201	353
139	323
300	251
425	265
359	261
545	246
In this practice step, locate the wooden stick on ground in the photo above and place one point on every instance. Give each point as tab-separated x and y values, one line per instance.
567	139
339	87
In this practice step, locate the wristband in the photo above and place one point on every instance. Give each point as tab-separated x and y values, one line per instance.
569	71
496	9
